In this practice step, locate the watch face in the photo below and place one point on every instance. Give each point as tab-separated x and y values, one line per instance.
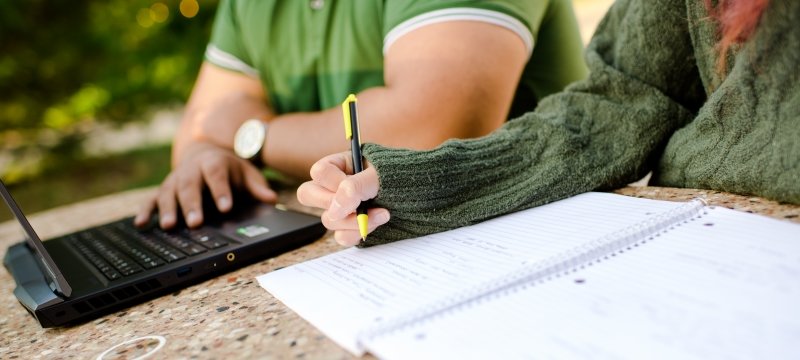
249	138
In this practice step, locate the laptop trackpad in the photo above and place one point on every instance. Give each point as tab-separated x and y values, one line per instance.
260	222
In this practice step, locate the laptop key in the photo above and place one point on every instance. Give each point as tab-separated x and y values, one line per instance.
174	256
116	258
154	247
118	237
105	268
163	251
195	249
112	274
186	246
151	262
210	241
131	270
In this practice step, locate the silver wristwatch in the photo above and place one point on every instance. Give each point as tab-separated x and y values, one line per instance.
249	140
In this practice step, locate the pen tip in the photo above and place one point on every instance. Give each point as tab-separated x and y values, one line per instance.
363	225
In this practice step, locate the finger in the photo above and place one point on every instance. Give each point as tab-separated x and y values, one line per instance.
311	194
352	191
189	191
215	173
347	237
145	211
376	217
347	223
350	237
255	183
329	171
165	199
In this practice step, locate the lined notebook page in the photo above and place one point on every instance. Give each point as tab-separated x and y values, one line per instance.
726	285
348	291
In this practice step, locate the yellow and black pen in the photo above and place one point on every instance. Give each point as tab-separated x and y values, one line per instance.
350	112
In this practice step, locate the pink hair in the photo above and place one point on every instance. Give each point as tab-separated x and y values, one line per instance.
737	20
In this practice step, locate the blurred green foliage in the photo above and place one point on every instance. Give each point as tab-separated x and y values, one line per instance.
65	65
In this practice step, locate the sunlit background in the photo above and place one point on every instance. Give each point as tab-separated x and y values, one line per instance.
91	91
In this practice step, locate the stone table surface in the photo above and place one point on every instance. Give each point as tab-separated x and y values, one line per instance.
226	317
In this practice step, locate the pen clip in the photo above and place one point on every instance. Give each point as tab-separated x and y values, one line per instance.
348	128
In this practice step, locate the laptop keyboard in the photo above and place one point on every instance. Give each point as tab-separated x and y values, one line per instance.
119	249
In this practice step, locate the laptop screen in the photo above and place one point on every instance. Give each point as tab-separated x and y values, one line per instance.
54	276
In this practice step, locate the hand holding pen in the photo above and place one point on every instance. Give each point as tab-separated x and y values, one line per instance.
340	194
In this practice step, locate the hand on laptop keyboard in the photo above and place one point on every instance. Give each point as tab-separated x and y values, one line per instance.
205	166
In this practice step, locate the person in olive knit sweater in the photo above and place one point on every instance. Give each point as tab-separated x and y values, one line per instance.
660	97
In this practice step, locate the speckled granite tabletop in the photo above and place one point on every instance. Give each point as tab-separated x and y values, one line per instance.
226	317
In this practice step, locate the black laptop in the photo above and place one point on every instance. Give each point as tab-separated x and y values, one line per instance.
80	276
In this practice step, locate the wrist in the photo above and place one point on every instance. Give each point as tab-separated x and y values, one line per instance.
249	141
194	149
220	129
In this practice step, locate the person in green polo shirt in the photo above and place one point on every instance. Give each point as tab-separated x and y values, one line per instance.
424	72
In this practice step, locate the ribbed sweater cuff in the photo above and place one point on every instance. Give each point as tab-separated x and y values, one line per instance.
473	180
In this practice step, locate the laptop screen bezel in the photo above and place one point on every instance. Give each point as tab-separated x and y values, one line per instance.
52	273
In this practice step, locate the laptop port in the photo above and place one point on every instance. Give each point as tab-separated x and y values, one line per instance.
183	271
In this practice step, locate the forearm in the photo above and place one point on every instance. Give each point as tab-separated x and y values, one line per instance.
387	117
441	81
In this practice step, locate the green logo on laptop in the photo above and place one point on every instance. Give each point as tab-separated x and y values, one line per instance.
252	230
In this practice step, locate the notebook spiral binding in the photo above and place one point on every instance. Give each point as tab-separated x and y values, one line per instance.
548	269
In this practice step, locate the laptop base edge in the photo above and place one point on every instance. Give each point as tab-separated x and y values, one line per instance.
32	289
50	310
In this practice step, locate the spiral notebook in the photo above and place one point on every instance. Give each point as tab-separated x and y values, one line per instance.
594	276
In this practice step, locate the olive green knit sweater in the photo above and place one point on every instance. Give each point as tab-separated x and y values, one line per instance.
654	101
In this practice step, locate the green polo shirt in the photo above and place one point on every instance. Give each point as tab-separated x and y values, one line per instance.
310	54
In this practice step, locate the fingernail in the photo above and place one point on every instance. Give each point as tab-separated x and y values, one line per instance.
224	203
166	220
193	217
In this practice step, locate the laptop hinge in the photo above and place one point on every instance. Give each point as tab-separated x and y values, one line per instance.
32	290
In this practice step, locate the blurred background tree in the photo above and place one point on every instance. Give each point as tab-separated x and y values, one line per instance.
65	62
67	67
